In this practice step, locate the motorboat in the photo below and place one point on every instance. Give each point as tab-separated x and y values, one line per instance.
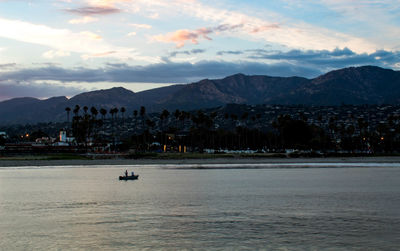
131	177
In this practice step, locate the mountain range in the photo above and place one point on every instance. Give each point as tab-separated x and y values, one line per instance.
354	85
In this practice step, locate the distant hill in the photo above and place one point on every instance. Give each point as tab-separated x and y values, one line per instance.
238	88
29	110
354	85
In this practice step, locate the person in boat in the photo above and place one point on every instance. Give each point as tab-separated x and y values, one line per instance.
133	174
126	173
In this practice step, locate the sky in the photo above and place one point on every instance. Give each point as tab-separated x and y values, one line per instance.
65	47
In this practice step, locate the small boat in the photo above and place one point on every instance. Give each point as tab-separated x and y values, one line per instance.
132	177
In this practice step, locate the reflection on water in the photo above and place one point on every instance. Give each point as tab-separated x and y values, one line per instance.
194	207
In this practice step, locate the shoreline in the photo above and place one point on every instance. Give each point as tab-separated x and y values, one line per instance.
149	161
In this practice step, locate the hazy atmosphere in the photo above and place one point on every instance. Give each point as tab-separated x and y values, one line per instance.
64	47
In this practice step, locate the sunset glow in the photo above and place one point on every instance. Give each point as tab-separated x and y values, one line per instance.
177	41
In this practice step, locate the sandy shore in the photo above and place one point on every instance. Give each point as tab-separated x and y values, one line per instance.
107	162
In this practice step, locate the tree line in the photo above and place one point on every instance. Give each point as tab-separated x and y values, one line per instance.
198	131
214	129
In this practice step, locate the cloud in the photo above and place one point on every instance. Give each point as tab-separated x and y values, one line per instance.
94	10
310	63
7	66
170	72
221	53
53	54
375	16
99	55
325	60
91	35
106	3
11	89
86	42
141	26
275	63
272	28
191	52
267	26
131	34
180	37
83	20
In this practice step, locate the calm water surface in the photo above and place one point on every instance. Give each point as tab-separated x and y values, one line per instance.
196	208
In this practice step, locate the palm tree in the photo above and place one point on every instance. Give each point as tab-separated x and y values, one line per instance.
184	115
85	109
116	110
113	111
93	123
103	113
135	113
67	109
123	110
164	115
142	114
213	115
177	113
259	129
161	121
76	110
94	112
142	111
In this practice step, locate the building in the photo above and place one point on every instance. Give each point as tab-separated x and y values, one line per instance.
63	137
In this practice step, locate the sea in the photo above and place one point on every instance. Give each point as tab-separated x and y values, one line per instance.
307	206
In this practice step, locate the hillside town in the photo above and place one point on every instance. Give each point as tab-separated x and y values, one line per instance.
367	129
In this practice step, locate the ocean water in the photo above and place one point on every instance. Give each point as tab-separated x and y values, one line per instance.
196	207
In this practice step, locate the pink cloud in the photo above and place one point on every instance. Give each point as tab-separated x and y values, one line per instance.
265	28
180	37
99	55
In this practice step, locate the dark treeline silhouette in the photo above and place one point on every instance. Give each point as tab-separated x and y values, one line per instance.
222	129
198	130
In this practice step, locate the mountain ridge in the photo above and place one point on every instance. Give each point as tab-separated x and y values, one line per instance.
353	85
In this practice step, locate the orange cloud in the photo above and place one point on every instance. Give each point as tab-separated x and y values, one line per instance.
265	28
179	37
91	35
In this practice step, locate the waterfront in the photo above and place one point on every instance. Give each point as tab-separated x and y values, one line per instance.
202	207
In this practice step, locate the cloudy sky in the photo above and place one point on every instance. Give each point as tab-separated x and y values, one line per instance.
63	47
